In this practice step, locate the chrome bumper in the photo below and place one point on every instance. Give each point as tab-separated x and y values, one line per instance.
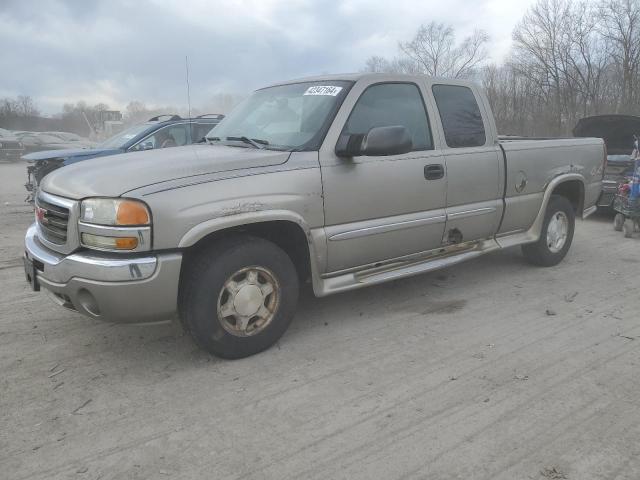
127	289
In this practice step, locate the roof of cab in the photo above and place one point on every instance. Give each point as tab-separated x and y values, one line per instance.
354	77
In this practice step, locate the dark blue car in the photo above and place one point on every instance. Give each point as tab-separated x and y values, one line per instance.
162	131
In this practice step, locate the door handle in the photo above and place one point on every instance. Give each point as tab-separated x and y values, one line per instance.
434	171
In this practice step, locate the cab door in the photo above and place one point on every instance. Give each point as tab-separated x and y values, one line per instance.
383	207
475	180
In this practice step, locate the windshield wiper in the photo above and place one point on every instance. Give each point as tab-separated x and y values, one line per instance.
257	143
254	142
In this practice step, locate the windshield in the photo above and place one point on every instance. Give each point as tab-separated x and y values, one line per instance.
286	117
122	138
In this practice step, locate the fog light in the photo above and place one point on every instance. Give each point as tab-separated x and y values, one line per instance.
88	302
110	243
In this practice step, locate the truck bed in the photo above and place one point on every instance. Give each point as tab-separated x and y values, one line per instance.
531	163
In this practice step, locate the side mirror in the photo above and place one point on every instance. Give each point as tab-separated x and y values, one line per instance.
378	142
148	145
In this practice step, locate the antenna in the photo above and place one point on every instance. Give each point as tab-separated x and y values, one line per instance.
186	65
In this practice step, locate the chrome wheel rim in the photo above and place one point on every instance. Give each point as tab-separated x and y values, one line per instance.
248	301
557	232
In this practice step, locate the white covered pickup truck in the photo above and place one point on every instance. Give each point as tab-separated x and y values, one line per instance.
346	181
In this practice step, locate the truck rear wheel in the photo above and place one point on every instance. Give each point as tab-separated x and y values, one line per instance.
556	235
238	296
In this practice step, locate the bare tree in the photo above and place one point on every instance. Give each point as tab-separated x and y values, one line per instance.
433	51
26	106
22	106
377	64
587	58
540	41
620	26
558	47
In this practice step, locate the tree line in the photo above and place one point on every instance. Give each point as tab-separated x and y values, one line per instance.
569	59
21	113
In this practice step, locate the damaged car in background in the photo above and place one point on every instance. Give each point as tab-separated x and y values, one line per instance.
618	132
38	142
161	131
346	181
11	148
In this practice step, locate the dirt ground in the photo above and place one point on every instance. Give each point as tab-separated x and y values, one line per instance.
489	370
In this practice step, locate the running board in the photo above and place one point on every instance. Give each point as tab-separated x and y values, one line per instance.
394	271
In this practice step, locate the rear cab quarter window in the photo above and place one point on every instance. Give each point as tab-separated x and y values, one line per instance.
460	116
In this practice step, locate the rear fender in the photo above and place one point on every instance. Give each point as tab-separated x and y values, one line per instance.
533	234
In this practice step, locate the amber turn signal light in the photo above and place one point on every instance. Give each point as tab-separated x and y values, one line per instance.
109	243
132	213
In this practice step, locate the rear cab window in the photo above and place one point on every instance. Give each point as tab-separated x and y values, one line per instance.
460	115
389	104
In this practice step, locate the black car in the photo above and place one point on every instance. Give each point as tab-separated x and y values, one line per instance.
618	133
162	131
11	147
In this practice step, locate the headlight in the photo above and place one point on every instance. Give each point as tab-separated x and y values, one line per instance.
115	212
115	224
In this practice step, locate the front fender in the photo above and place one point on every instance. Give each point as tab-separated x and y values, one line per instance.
198	232
316	240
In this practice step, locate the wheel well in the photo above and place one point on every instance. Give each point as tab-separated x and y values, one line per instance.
289	236
572	190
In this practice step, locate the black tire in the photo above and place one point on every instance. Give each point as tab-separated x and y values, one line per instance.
203	284
618	222
540	253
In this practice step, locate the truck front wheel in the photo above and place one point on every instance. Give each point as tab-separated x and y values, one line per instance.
556	236
238	296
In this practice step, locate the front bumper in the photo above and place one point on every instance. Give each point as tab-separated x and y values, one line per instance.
123	289
11	154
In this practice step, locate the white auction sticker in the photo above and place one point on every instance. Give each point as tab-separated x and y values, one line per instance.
323	90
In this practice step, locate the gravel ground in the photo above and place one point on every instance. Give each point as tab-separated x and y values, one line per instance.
489	370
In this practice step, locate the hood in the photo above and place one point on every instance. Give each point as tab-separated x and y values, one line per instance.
115	175
616	130
70	155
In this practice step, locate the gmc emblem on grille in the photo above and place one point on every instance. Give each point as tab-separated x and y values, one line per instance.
40	215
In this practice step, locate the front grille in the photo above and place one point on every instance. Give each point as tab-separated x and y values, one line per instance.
53	221
11	154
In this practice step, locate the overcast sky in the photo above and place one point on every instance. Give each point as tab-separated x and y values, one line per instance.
114	51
